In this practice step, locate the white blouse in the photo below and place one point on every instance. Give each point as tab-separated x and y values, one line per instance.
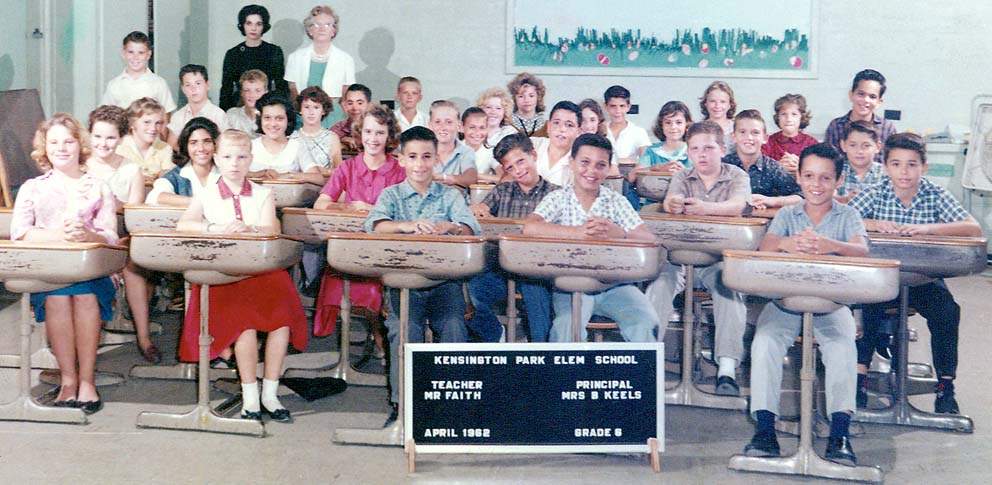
217	210
285	161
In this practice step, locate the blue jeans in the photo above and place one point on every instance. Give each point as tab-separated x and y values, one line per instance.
443	305
624	304
489	289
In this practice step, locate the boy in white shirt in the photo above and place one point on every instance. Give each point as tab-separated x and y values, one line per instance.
137	81
409	93
629	140
195	84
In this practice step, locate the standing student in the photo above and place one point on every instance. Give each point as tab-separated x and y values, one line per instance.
718	105
264	303
867	90
791	116
253	85
588	209
252	54
528	91
321	149
68	205
142	145
320	63
137	81
456	161
419	205
409	92
818	225
195	84
628	139
771	184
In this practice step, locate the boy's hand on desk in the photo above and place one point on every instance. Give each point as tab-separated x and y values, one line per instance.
887	227
760	202
234	227
694	206
602	228
914	229
674	204
422	227
811	242
667	167
480	210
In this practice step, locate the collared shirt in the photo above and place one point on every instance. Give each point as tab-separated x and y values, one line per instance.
342	128
835	131
507	199
731	183
247	207
778	145
209	111
316	150
401	202
158	158
124	90
932	204
840	224
768	177
628	141
120	180
286	161
339	71
419	119
529	126
47	200
560	174
876	173
462	158
358	183
163	186
657	155
562	207
238	119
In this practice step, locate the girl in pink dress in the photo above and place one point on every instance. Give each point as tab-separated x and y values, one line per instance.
361	179
66	204
238	311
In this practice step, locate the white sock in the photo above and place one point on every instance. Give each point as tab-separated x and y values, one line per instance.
249	397
728	367
269	397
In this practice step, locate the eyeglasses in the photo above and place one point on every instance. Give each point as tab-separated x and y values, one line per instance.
326	25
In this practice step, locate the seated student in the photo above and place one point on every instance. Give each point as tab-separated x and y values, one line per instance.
253	85
498	106
818	225
456	161
145	118
528	91
771	185
718	105
194	83
629	140
194	170
274	155
866	94
909	204
553	152
321	149
861	146
361	179
356	98
716	189
107	126
409	93
593	119
137	81
669	153
516	199
792	117
420	206
66	204
475	134
238	311
588	209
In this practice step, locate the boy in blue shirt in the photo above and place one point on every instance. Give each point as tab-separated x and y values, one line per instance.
818	225
419	205
909	204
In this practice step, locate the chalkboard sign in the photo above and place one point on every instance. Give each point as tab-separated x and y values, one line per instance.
534	398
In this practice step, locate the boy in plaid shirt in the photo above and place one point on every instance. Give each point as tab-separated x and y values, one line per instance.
907	203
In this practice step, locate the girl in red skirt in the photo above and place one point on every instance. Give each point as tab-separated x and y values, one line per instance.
266	303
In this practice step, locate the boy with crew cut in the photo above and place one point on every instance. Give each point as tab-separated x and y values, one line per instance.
137	81
418	205
409	93
588	209
515	199
771	184
708	188
866	94
194	84
909	204
456	160
818	225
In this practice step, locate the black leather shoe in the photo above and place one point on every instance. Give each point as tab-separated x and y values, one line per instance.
946	404
281	415
251	415
71	403
91	406
763	445
839	451
861	397
727	386
394	414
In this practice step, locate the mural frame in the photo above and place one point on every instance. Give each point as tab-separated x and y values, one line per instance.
809	71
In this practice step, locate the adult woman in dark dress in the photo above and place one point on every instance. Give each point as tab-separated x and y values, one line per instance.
253	53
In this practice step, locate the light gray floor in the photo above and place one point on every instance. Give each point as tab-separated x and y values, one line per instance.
112	450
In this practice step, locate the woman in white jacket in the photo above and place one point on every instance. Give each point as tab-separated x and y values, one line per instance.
320	63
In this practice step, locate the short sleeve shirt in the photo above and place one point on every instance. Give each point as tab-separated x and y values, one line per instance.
461	160
932	204
562	207
778	144
285	161
124	90
358	183
507	199
237	119
419	119
163	186
630	139
401	202
220	206
657	155
768	177
732	183
209	111
841	224
157	159
835	131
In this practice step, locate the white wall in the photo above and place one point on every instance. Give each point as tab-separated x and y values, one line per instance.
931	52
14	38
